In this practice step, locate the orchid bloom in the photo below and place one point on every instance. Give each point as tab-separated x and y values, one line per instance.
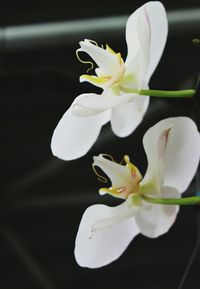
120	102
172	148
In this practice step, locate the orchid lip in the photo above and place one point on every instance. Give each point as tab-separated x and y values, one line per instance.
130	177
110	64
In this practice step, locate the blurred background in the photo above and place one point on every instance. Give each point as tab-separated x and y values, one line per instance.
43	198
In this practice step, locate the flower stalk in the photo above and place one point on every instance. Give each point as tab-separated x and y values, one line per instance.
188	93
172	201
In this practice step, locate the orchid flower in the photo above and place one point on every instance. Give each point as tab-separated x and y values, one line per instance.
172	148
121	81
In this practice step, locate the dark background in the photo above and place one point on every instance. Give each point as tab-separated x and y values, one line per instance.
42	197
28	11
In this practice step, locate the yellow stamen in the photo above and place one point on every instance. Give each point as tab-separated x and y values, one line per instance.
132	187
110	49
111	191
133	169
104	191
95	79
126	159
121	61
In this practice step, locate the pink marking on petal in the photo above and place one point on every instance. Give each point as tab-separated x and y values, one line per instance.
162	142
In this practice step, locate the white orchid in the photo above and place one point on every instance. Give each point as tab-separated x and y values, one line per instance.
172	147
121	103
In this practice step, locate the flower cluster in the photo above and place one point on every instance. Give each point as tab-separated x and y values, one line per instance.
149	203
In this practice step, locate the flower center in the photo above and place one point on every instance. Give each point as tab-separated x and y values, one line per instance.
110	64
127	183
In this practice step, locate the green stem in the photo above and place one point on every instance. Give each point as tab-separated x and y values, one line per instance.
161	93
172	201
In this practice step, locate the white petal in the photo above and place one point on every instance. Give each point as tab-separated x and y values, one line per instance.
155	144
181	156
146	34
133	43
159	29
74	136
117	173
155	220
126	117
104	245
91	103
138	40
